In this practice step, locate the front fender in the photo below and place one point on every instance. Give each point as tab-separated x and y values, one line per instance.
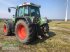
43	21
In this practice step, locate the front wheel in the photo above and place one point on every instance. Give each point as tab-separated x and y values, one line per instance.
45	28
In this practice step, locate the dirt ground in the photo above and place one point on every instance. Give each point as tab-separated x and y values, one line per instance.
58	41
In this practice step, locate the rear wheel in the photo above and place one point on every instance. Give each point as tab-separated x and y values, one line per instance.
23	31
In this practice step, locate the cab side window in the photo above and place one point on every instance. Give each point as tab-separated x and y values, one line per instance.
32	12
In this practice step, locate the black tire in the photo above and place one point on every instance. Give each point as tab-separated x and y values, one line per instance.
7	29
45	28
28	29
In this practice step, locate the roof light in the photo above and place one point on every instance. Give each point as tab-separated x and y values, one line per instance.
26	3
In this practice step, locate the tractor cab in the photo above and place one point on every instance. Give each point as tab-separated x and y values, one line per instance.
27	9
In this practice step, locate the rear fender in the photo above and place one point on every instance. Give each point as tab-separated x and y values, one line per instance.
28	21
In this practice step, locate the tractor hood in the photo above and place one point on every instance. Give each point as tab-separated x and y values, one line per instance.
43	20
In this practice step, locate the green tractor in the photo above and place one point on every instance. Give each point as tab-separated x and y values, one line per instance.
27	23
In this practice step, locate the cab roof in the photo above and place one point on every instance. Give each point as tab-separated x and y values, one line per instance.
30	4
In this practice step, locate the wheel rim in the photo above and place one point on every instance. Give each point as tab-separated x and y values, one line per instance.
5	29
21	31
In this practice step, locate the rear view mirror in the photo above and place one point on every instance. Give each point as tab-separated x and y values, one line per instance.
9	10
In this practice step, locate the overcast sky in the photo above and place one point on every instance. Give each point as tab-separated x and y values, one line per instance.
53	9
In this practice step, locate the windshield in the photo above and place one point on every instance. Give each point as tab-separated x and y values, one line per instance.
35	11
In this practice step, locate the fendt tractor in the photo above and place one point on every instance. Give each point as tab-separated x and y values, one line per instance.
27	23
